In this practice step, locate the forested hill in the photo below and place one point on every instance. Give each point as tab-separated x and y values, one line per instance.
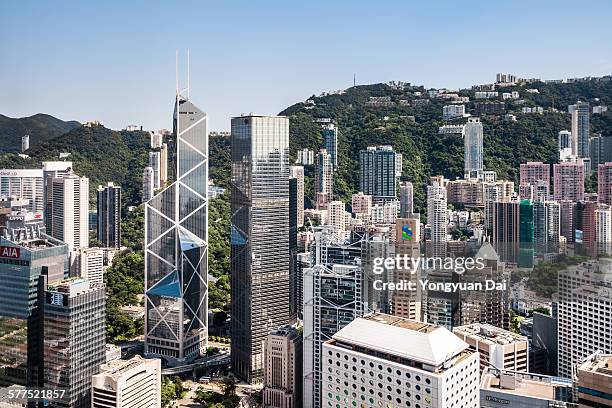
40	127
98	153
507	143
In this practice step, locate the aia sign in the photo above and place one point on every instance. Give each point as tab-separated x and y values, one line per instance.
9	252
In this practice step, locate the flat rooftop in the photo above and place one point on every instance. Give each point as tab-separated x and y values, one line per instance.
404	338
523	387
601	364
116	368
489	333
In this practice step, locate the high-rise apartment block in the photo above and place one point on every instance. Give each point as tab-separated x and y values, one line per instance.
297	172
67	218
406	200
148	186
568	180
324	176
580	128
584	319
109	215
330	140
565	145
129	383
25	184
163	164
155	164
260	237
25	143
437	215
283	368
378	172
176	247
74	339
473	148
383	360
497	347
534	174
450	112
361	203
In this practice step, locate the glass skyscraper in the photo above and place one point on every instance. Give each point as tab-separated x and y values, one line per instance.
259	238
176	237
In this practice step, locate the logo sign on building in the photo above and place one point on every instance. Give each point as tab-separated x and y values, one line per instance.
9	252
407	234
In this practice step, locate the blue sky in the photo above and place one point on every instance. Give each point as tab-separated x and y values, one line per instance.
115	61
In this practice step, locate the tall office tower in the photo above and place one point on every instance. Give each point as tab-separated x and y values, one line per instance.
585	226
74	322
283	368
568	180
148	188
176	247
472	148
437	216
330	140
526	237
580	129
604	183
109	215
594	381
378	166
407	303
546	228
297	172
127	384
324	179
487	306
497	347
293	250
68	215
406	200
535	173
361	203
26	184
603	226
584	319
506	230
163	164
25	143
155	164
565	145
382	360
157	139
260	237
26	254
334	295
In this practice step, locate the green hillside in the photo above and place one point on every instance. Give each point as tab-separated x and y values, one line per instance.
40	127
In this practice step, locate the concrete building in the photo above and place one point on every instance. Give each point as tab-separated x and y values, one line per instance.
129	383
565	145
324	179
109	215
584	290
406	200
506	388
338	217
534	173
384	360
568	180
305	157
283	372
437	215
407	303
498	348
594	381
378	172
25	184
297	172
155	164
473	148
148	188
580	128
604	183
68	203
260	232
361	203
330	141
157	138
469	193
163	164
450	112
89	264
74	339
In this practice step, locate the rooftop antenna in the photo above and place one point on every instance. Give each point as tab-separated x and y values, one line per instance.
354	79
187	73
176	74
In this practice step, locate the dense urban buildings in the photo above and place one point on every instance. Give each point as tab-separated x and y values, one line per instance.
109	215
260	232
129	383
176	247
383	360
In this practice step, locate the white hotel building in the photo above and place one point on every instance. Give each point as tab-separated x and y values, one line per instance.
387	361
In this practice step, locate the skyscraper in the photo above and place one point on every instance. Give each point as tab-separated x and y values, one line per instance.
109	215
163	164
407	303
330	139
437	215
68	205
565	144
297	172
473	148
24	184
604	183
536	174
324	176
74	339
506	230
378	172
580	129
406	200
259	237
176	247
